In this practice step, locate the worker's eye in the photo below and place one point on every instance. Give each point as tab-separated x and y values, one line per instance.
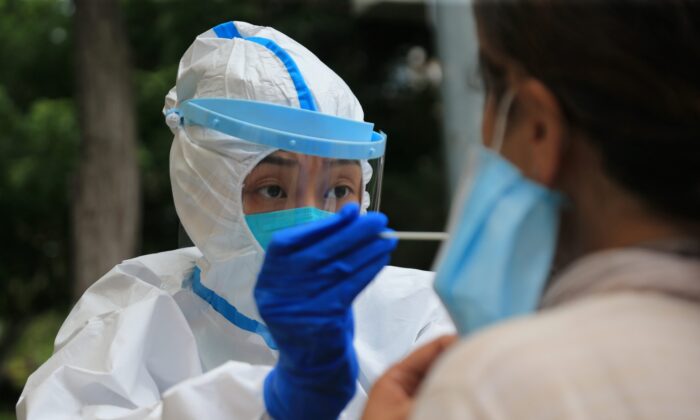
272	191
339	192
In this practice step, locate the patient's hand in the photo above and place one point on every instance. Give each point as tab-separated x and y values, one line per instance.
393	395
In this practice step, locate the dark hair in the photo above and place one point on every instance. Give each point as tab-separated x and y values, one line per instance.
627	75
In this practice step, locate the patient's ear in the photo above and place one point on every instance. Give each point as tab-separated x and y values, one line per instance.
535	137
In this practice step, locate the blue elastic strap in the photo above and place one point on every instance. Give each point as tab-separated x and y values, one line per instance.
229	311
306	100
227	30
287	128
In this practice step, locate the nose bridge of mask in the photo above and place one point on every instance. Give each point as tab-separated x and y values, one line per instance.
264	225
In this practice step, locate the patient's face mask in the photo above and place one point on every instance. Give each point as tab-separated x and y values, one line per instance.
503	230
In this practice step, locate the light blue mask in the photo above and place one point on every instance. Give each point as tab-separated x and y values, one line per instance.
263	225
501	246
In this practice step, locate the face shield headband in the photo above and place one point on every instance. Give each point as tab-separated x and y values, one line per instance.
286	128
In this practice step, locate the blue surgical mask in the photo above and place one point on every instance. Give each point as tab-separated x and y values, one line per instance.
502	241
263	225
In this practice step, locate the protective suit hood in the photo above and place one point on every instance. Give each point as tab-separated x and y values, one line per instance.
208	168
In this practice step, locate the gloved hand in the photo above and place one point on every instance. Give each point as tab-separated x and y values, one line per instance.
309	279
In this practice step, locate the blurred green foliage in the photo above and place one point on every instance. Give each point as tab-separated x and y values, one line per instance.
33	346
38	151
39	139
7	415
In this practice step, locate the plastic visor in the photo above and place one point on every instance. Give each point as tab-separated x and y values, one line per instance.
316	160
287	128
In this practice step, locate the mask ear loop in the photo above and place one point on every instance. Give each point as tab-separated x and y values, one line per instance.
499	131
473	161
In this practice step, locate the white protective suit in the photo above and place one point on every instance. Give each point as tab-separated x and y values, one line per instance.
141	343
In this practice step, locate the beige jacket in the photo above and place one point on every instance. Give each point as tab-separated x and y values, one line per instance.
618	338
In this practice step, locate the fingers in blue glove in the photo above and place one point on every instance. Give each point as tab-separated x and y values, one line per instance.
360	237
300	237
348	290
346	277
359	257
330	238
343	279
358	234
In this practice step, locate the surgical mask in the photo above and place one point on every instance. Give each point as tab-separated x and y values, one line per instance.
264	225
503	231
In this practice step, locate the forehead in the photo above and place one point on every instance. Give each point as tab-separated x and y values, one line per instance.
290	159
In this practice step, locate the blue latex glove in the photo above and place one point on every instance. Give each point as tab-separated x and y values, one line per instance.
310	277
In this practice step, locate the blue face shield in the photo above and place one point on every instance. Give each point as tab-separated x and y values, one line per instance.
264	225
502	241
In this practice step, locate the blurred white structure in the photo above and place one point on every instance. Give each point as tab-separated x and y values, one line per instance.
458	49
455	30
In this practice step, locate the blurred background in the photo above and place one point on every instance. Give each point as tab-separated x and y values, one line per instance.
84	149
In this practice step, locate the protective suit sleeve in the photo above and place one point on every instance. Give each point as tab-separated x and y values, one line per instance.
127	352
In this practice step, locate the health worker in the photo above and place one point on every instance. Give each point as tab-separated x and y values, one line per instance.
267	138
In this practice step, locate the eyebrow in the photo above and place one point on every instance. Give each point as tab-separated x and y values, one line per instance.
343	162
279	161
